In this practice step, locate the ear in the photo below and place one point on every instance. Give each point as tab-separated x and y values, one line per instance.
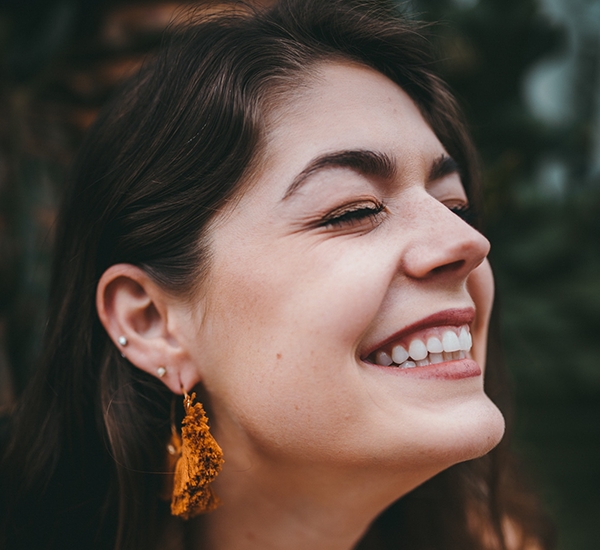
132	306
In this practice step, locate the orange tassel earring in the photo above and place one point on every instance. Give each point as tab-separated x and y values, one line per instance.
200	460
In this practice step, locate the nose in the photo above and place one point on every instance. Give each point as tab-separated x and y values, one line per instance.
442	244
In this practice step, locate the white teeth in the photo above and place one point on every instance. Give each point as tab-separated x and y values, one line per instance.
434	345
399	354
435	358
417	350
450	348
450	341
383	359
464	339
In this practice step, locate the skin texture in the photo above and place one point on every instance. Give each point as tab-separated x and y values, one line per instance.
317	441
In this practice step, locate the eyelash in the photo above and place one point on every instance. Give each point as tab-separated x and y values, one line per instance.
353	215
465	212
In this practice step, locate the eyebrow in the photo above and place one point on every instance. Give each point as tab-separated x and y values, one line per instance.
369	163
442	166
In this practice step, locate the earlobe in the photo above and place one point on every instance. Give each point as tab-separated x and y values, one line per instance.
136	314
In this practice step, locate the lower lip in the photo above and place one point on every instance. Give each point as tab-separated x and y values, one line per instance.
450	370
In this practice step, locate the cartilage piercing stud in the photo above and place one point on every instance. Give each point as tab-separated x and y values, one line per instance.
122	340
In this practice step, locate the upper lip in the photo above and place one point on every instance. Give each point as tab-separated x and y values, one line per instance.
449	317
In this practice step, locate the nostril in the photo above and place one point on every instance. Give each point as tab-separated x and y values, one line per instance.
454	266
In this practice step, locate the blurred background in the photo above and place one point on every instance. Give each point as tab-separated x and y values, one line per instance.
527	73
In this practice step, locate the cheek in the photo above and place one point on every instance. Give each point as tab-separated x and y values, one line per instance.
281	343
292	304
480	285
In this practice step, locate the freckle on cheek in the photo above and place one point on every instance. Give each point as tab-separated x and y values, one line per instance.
279	356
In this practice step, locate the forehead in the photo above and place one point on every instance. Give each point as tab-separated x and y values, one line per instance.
345	106
340	106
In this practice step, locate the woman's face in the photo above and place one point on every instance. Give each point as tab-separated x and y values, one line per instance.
344	252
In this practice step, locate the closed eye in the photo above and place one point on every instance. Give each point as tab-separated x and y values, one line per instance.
465	212
353	215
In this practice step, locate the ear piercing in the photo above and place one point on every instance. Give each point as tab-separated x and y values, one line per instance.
161	371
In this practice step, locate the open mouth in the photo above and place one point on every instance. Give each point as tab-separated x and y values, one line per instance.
428	347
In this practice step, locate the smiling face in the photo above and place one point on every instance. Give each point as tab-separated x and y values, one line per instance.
346	248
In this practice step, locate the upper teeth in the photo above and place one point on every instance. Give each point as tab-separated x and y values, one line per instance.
450	347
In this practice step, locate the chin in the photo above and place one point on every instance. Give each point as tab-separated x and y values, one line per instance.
443	436
471	431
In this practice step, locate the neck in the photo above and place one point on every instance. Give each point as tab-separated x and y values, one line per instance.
267	506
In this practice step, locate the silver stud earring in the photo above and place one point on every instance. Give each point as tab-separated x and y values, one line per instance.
122	340
161	371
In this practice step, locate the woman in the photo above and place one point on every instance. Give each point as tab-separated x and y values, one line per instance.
275	214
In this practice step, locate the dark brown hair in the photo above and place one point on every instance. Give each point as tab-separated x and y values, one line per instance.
83	465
